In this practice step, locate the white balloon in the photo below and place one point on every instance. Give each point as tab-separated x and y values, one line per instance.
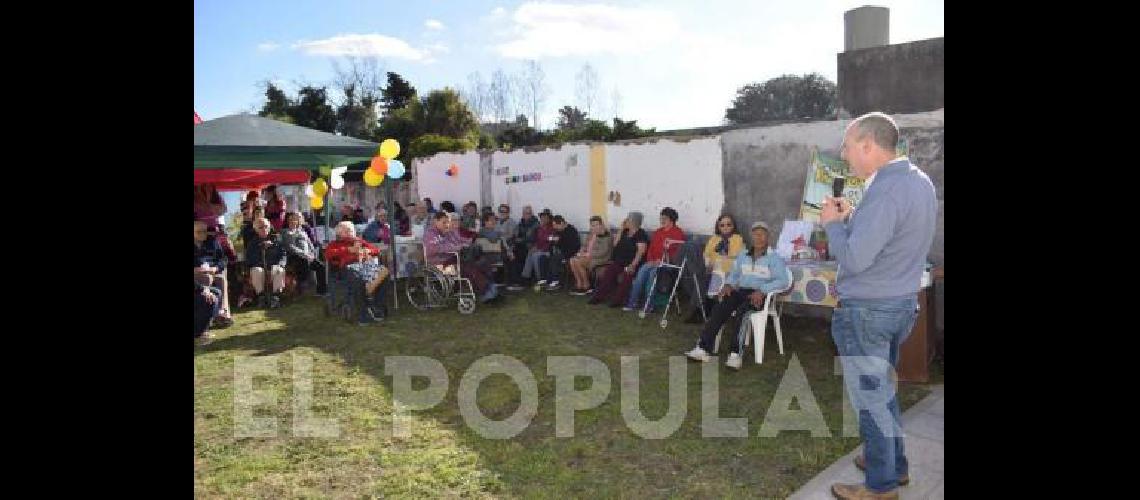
337	179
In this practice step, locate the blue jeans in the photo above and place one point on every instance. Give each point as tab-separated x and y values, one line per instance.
639	282
534	265
868	333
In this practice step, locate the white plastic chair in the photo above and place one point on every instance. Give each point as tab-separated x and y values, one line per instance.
756	322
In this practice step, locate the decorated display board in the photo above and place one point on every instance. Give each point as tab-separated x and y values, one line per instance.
409	254
814	283
823	169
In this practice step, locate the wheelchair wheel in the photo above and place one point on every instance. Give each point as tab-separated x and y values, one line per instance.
425	291
466	305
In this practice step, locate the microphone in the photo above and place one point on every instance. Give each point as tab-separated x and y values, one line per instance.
837	188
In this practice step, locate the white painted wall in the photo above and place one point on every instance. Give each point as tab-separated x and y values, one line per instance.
433	182
651	176
564	188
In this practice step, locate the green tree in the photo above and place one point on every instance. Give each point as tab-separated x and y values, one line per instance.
398	94
519	134
570	117
313	110
787	97
628	130
360	81
277	105
430	144
444	113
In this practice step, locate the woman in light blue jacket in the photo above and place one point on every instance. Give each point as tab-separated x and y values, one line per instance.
754	275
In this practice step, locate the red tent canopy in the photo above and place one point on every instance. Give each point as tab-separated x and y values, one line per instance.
241	180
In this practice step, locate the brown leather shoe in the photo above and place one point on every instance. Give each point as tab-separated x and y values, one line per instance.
861	463
860	492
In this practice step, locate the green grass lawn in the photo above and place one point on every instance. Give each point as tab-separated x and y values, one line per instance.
443	457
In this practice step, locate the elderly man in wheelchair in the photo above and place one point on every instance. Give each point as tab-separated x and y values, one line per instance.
452	268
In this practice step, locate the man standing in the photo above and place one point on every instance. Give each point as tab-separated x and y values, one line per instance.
881	248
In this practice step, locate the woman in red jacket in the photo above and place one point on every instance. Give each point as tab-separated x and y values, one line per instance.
339	254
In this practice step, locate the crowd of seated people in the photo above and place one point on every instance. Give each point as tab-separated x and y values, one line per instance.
543	251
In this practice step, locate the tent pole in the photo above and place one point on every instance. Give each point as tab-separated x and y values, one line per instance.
393	228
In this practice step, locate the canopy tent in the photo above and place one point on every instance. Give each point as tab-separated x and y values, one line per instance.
243	180
228	146
254	142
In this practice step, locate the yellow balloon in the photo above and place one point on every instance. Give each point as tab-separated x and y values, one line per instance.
372	178
320	187
316	202
389	149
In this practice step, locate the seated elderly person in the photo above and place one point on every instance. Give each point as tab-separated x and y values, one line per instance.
719	253
264	252
539	250
420	216
595	254
754	275
566	243
441	241
302	253
207	303
210	260
378	230
629	252
655	255
494	245
469	218
367	276
339	254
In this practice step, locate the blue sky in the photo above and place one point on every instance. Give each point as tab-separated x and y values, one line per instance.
672	63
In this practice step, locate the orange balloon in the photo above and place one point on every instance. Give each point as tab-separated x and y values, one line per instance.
379	165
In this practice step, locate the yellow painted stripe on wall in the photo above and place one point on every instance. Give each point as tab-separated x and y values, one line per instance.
598	191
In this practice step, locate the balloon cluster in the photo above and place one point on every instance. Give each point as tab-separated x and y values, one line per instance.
452	171
319	188
384	163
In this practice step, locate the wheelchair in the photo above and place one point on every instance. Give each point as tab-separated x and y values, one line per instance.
431	286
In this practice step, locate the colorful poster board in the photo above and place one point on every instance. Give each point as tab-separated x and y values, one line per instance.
823	169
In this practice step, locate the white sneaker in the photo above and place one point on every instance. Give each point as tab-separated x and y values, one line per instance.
627	309
698	354
554	284
540	283
734	361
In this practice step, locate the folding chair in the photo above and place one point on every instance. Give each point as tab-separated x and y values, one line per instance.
754	323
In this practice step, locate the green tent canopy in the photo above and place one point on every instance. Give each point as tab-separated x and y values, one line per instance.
253	142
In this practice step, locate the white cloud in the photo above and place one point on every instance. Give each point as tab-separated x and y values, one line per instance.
499	11
433	24
439	47
368	45
267	46
559	30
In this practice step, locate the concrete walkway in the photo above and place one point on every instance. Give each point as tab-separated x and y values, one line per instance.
924	426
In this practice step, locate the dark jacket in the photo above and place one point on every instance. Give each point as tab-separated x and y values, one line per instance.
211	253
526	230
569	241
274	253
